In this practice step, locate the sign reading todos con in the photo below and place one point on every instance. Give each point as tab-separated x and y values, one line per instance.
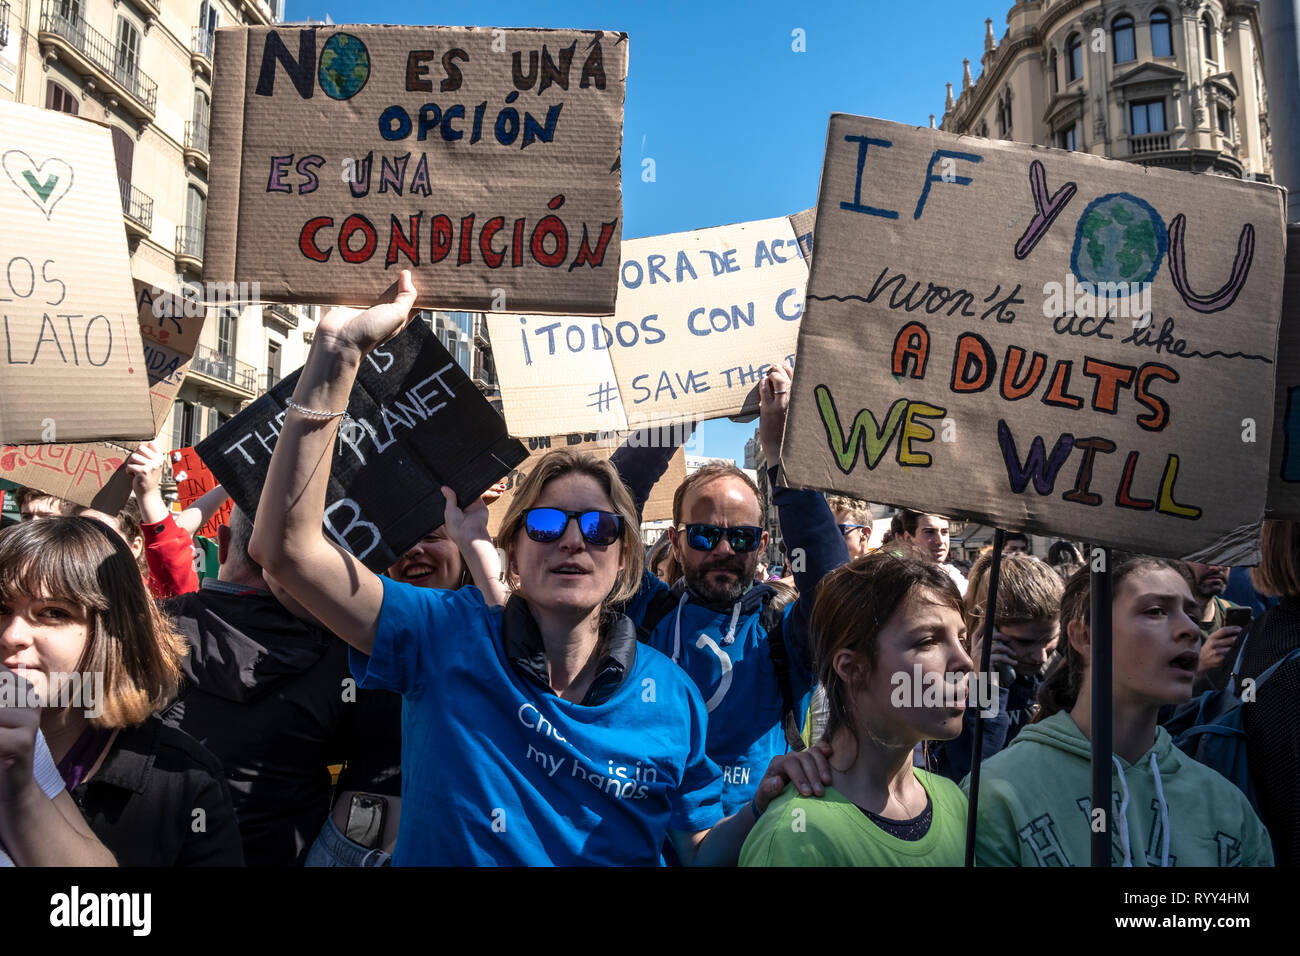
487	161
700	316
1039	339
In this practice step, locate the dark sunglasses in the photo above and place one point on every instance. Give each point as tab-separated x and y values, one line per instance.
546	525
846	528
705	537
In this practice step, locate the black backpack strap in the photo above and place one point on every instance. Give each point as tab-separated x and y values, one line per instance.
660	606
771	621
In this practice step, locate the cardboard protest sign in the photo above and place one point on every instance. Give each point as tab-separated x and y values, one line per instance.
72	368
1042	340
1284	469
415	423
699	317
657	507
486	161
193	481
91	473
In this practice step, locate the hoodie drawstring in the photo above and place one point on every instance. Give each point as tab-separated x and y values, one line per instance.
1164	812
677	630
1123	812
727	640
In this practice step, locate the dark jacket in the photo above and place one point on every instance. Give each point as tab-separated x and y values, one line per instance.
272	697
159	799
1272	723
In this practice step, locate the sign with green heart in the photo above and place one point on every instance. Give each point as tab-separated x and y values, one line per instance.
72	365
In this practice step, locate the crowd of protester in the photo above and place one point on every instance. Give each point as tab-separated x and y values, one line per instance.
576	698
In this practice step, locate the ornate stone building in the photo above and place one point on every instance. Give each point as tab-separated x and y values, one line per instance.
1177	83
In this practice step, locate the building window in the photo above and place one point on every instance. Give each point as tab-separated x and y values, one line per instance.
227	329
1073	58
209	17
1207	36
1051	69
1147	116
1224	116
1068	138
70	11
1162	38
57	98
184	415
1121	33
128	50
272	364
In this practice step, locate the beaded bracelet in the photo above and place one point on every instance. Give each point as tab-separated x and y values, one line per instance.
313	413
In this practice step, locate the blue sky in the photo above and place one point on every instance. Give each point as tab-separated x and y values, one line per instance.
733	117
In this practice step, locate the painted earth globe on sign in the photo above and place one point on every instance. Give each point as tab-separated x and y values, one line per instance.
344	66
1119	239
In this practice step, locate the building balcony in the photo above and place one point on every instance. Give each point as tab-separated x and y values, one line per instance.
225	372
149	9
201	51
282	315
196	145
189	247
1148	143
137	210
98	61
480	332
258	12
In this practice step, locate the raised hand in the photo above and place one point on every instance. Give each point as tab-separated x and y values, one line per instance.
363	330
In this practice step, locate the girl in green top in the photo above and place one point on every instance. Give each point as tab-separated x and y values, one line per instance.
889	641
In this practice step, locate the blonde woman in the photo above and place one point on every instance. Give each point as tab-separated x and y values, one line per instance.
538	732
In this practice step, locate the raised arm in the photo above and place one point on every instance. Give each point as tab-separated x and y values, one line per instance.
35	829
201	510
287	540
468	529
812	540
642	460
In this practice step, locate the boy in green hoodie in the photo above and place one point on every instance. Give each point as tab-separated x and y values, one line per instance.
1168	810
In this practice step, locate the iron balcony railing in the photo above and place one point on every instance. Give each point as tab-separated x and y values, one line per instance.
4	24
196	137
201	42
284	313
208	361
102	53
136	205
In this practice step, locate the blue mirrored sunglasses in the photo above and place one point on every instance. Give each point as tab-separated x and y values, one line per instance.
546	525
846	528
705	537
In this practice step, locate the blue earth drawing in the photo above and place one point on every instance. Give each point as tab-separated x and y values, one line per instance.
344	66
1119	239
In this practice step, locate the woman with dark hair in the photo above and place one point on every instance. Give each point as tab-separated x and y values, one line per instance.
889	643
77	623
540	732
1170	810
1273	720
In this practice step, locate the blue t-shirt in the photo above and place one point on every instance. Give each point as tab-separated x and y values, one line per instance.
497	770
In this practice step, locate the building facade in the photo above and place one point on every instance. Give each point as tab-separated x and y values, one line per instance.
1175	83
143	68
